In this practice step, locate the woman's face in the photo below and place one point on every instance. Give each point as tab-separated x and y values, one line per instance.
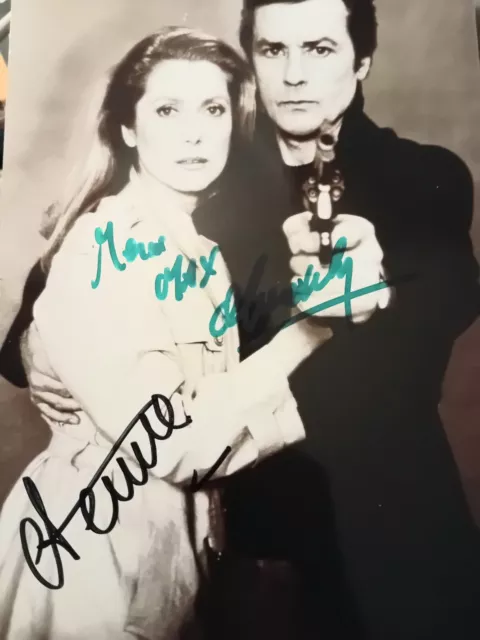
183	125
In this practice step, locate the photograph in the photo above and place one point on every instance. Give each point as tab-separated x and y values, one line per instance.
239	320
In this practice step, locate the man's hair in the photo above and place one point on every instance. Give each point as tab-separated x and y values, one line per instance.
361	23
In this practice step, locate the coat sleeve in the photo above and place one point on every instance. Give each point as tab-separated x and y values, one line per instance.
455	272
11	365
432	247
113	349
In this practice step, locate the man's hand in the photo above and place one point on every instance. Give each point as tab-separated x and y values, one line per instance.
46	392
361	246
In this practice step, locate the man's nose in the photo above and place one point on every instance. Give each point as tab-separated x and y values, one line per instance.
294	71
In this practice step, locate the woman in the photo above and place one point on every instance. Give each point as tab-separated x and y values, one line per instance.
125	315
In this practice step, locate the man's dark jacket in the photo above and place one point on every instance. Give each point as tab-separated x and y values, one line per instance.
370	506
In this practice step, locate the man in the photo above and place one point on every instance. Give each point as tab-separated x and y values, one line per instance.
369	510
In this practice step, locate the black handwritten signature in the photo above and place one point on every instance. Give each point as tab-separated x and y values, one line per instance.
86	499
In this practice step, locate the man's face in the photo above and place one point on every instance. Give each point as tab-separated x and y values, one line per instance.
304	61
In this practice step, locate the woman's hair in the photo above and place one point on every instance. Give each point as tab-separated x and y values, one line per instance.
106	169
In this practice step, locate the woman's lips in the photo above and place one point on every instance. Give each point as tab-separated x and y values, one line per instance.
193	160
193	163
297	104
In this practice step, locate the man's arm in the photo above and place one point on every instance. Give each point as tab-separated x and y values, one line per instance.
11	366
446	292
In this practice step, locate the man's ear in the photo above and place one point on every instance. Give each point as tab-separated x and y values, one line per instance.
364	68
128	137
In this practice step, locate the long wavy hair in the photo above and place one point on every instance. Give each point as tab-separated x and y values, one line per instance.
106	169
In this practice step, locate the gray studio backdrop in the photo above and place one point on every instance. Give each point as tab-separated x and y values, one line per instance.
425	83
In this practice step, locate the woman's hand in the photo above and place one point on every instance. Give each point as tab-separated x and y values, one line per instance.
295	343
46	392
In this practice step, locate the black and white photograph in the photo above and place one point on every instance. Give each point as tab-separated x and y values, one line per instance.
239	320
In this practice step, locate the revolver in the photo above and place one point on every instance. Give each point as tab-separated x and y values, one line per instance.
321	190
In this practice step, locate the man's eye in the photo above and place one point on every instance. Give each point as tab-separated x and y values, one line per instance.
321	52
216	109
165	111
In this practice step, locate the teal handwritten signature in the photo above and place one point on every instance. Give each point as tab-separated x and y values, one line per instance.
182	279
228	314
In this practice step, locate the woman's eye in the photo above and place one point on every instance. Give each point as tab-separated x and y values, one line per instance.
216	109
165	111
272	52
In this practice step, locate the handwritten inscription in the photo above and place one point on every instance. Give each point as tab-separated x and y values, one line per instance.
184	279
184	274
187	274
55	538
131	251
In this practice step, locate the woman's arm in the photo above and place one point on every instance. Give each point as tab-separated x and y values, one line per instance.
113	350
